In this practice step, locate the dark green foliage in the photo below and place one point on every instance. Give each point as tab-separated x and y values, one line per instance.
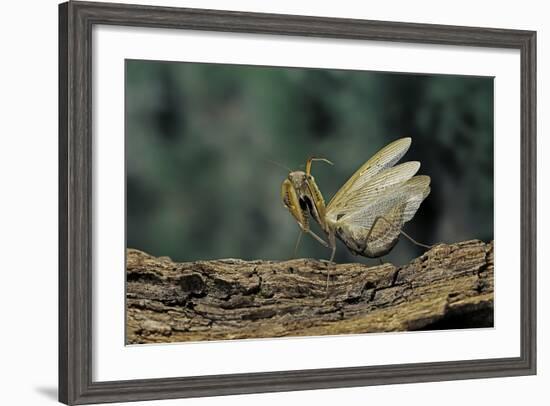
200	138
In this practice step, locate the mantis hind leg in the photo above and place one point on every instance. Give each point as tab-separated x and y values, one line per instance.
414	241
408	236
395	227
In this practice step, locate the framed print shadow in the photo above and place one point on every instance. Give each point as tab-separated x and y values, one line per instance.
292	202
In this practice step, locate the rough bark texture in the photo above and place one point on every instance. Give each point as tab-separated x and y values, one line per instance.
449	286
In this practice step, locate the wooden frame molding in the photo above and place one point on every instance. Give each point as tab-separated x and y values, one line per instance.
76	20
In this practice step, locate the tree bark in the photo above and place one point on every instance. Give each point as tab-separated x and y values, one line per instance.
449	286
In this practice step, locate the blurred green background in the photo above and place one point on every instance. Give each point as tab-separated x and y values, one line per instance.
200	139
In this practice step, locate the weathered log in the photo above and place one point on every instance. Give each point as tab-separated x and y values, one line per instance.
449	286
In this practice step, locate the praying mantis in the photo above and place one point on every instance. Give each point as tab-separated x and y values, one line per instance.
368	212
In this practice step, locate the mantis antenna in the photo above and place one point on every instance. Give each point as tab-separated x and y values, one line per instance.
279	165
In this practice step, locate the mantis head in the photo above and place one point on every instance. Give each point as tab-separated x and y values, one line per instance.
302	197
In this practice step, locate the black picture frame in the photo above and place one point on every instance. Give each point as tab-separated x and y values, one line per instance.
76	20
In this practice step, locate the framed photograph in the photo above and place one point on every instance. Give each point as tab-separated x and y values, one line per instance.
259	202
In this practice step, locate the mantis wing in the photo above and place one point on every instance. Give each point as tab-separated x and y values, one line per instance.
373	229
370	192
410	194
383	159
